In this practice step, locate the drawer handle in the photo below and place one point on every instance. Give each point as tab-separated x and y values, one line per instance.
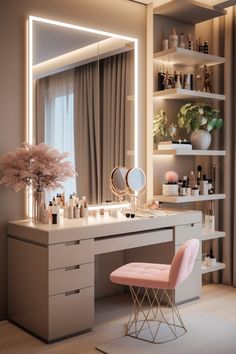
72	268
189	225
73	292
72	243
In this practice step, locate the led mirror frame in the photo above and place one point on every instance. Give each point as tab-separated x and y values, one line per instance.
29	89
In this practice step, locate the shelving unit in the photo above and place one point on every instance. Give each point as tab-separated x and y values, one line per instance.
188	199
182	15
176	56
185	152
189	11
183	94
211	235
218	266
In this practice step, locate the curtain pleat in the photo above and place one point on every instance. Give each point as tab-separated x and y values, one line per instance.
224	34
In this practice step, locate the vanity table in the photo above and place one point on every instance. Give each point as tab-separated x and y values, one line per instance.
51	267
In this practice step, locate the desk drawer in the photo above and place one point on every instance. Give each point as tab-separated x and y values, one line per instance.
186	232
70	313
67	254
125	242
71	278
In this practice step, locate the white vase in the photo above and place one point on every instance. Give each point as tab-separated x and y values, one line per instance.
170	189
200	139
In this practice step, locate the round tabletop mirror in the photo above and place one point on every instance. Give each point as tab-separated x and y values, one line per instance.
118	181
135	179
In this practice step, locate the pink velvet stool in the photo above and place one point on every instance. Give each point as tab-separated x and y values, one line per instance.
152	285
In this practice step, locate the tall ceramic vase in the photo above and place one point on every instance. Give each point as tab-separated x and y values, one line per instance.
200	139
38	202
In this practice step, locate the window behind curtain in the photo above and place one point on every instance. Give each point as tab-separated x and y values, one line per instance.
59	120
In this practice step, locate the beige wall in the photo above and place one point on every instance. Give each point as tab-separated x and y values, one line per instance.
118	16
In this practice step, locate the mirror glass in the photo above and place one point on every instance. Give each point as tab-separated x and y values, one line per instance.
118	180
135	179
83	89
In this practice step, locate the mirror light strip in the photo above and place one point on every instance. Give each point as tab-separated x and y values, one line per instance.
30	123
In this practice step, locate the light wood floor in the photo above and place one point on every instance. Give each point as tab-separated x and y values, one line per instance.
111	315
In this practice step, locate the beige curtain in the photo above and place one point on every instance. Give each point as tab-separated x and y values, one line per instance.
224	39
100	124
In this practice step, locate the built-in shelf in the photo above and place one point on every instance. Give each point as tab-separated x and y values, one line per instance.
189	11
218	266
178	56
211	235
179	94
187	199
183	152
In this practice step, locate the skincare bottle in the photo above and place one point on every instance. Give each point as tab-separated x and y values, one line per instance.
182	43
205	48
84	199
173	41
195	191
54	214
199	174
71	208
71	200
165	44
82	209
189	42
76	211
45	215
210	219
192	179
50	211
201	46
66	211
178	78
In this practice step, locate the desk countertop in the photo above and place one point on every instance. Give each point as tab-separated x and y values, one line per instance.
99	226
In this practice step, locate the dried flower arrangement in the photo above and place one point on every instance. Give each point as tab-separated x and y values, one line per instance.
38	166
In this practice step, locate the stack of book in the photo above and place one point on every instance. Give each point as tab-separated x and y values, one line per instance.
174	145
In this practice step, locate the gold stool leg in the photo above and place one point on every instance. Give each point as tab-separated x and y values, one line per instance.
152	322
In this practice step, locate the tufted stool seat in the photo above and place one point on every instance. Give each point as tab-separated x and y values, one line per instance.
152	284
147	275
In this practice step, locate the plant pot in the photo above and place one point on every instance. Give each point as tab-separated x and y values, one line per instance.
200	139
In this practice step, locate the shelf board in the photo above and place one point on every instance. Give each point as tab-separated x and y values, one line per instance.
189	11
211	235
187	199
179	94
186	152
180	55
218	266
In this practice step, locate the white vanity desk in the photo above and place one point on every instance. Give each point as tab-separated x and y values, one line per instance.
51	267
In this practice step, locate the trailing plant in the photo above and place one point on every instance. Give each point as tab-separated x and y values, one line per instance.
160	123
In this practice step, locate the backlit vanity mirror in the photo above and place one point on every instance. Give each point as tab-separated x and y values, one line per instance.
83	99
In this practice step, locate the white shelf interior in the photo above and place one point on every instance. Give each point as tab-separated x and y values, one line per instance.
183	152
179	56
211	235
189	11
187	199
180	94
218	266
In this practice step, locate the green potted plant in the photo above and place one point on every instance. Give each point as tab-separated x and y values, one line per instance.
201	119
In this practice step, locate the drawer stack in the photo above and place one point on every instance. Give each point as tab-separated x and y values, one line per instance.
51	289
70	287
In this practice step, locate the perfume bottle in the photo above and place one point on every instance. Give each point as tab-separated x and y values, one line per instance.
173	40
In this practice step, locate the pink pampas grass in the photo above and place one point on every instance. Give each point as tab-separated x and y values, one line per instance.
171	177
37	166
